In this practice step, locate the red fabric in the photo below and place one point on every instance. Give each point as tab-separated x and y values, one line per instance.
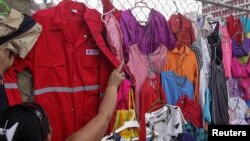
182	29
107	5
234	27
69	55
149	95
191	110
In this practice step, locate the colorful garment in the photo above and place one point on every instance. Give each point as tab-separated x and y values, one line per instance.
183	62
141	66
148	37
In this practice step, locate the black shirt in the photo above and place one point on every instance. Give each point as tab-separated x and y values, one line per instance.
4	104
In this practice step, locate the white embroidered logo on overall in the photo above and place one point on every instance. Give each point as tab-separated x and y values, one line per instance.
92	52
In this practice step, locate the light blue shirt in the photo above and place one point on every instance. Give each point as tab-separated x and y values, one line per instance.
206	109
175	86
245	21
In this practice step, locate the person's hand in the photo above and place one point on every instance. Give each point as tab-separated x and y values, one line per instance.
6	60
116	77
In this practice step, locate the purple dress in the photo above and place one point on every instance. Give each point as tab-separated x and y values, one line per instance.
148	37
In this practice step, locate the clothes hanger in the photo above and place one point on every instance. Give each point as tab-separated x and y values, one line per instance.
132	123
159	102
6	8
127	124
176	8
141	4
216	57
210	17
107	13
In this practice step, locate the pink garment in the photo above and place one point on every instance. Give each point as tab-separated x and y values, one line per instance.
138	67
245	84
122	101
226	44
240	70
114	35
123	92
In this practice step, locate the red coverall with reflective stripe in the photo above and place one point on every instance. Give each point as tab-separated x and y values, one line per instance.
70	63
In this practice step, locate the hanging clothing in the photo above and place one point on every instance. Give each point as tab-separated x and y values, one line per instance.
196	48
4	104
11	24
188	107
241	49
219	95
182	29
200	24
245	21
123	93
175	86
107	5
124	115
167	122
114	36
248	35
244	59
122	101
215	42
149	66
25	85
152	99
199	133
234	27
19	38
237	110
78	65
149	36
240	70
234	87
245	84
206	110
226	45
183	62
205	72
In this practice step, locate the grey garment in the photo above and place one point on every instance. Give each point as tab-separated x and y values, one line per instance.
196	48
25	85
209	49
234	87
219	95
29	7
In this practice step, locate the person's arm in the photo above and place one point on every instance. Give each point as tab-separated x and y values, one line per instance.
96	128
6	60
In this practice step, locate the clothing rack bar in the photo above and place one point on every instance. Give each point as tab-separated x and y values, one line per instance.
224	5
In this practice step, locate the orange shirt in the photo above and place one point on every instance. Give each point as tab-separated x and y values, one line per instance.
183	62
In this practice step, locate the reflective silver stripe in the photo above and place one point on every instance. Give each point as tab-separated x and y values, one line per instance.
101	94
66	89
10	86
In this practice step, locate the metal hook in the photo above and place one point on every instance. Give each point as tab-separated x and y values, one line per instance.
177	10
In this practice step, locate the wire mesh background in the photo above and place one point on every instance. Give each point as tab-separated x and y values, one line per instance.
166	7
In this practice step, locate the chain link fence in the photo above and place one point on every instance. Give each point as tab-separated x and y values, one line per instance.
166	7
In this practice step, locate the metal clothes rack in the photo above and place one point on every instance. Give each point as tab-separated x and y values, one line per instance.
224	5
